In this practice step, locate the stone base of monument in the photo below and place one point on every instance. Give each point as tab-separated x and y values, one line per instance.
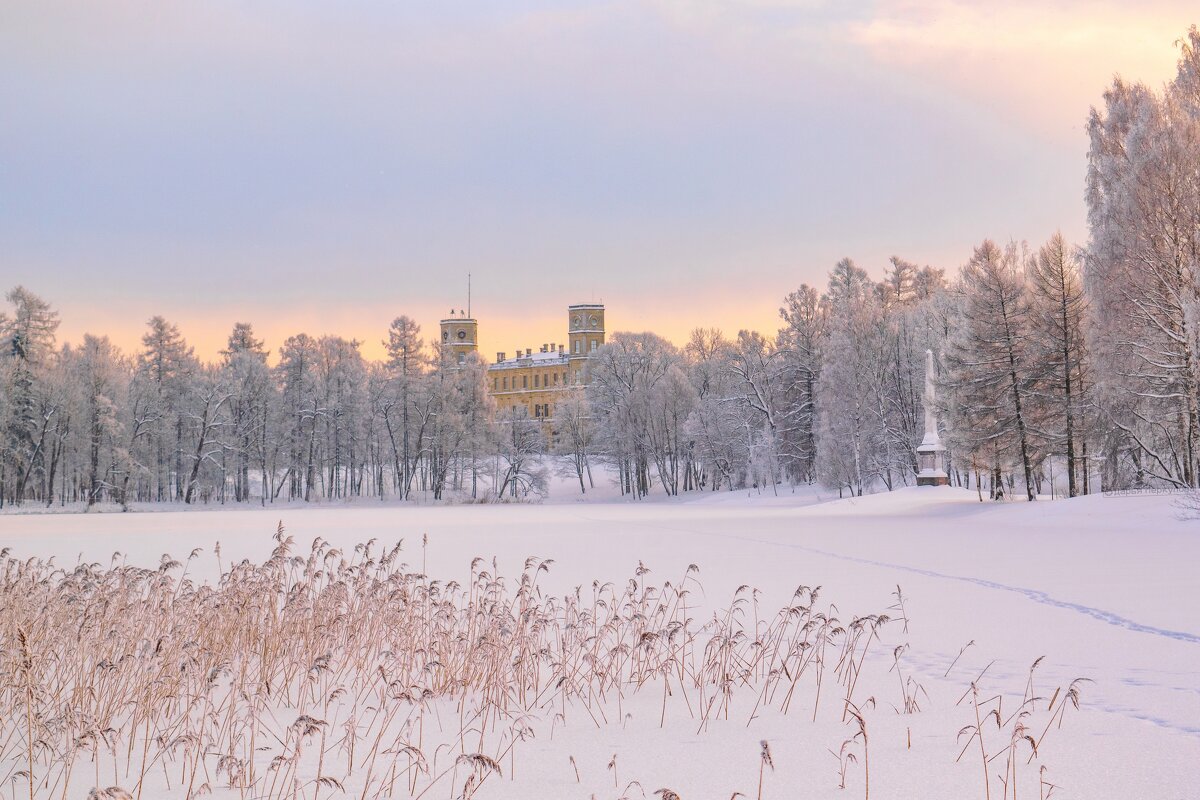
929	456
933	478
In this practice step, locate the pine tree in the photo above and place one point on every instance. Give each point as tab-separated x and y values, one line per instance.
245	373
26	356
805	315
101	376
989	362
1057	319
298	411
167	365
405	364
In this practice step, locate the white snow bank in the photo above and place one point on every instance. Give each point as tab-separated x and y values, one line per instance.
1104	587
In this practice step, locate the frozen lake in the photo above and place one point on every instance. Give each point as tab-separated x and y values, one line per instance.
1104	588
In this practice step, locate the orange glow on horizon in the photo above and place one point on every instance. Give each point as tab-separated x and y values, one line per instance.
500	328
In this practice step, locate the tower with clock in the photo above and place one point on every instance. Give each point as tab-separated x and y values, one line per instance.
459	334
585	332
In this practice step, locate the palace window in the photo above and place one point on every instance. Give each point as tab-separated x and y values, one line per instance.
524	381
506	384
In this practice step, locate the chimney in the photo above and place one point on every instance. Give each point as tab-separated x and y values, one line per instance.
543	349
528	352
560	349
499	358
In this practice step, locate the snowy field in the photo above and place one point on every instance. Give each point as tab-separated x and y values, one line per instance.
1104	588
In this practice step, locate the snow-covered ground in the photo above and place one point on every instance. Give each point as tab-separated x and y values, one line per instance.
1105	588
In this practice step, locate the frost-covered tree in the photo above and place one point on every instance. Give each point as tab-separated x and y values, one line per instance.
1143	193
851	435
991	363
761	380
27	339
718	427
298	412
477	410
457	411
342	377
909	297
204	419
805	316
379	454
1058	309
167	366
406	363
668	404
576	434
100	376
248	378
720	439
625	376
445	433
520	447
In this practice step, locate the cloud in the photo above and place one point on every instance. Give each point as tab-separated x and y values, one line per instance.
212	151
920	28
1038	62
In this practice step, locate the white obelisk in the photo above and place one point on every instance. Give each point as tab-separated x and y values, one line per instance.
929	453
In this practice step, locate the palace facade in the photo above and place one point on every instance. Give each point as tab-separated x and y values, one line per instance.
534	379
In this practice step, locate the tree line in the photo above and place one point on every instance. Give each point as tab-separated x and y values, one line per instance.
1059	369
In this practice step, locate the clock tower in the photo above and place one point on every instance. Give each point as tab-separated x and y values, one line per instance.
585	334
459	336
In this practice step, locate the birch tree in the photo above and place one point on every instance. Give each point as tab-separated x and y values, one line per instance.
1143	193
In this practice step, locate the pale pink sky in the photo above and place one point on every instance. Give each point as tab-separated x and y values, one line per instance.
326	167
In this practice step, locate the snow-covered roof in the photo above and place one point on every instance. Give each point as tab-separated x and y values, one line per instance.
549	358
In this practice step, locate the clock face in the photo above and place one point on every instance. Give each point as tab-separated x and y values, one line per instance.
462	334
592	320
578	320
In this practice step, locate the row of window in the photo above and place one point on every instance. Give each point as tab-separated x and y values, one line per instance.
540	380
593	345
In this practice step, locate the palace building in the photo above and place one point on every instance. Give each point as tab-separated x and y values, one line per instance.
531	379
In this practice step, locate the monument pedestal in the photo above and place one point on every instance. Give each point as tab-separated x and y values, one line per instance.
929	459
